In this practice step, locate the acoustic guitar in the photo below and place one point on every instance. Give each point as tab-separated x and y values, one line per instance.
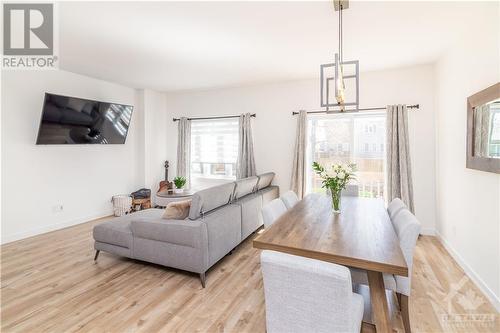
165	185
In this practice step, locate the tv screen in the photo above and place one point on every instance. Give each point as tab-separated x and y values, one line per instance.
71	120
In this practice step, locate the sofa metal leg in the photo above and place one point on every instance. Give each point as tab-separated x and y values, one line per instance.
96	254
202	279
405	312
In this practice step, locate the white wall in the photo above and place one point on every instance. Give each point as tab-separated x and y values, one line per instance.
468	201
155	136
82	178
274	127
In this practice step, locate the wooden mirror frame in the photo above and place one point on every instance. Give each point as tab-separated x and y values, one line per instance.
475	162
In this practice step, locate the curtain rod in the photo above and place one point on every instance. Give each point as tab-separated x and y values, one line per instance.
216	117
415	106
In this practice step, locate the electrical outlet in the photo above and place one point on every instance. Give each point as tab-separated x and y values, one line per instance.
57	208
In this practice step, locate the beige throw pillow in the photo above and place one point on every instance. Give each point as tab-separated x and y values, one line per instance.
177	210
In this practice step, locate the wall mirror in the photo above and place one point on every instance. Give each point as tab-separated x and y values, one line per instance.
483	130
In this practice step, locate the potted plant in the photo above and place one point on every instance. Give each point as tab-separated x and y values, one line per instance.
179	183
335	180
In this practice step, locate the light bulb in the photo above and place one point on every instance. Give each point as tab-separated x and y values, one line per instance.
340	93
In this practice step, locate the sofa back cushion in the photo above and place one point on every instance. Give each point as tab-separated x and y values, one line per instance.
209	199
245	186
265	180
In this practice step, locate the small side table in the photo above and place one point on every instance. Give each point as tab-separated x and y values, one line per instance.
165	197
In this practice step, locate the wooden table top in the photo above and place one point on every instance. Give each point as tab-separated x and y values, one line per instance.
360	236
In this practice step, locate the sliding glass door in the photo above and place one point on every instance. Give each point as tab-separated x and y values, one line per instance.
345	138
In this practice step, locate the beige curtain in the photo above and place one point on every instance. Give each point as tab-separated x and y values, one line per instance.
481	130
399	177
184	149
245	165
298	183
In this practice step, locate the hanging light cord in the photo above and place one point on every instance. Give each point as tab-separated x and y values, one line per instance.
341	33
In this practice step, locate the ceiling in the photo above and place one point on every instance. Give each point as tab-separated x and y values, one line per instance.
170	46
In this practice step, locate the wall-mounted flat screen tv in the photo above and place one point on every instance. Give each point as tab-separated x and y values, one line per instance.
71	120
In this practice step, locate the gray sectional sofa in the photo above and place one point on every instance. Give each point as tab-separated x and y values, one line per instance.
220	218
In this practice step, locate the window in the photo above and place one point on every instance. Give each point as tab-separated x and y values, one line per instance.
214	151
356	133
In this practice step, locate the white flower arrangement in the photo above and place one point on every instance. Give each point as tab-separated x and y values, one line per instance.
335	179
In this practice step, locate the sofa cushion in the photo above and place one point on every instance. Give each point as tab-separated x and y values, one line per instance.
265	180
209	199
114	232
178	210
245	186
117	230
185	233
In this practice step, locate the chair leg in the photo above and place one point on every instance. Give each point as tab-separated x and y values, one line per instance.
202	279
96	254
405	312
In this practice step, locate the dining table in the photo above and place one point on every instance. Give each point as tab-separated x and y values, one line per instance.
359	236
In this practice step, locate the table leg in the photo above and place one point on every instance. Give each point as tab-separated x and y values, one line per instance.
379	302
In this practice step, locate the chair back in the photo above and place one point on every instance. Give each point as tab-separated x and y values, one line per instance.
350	191
307	295
395	207
407	229
272	211
290	199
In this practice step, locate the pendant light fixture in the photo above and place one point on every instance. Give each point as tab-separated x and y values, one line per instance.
338	76
340	85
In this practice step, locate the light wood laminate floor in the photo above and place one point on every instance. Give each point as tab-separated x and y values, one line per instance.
49	283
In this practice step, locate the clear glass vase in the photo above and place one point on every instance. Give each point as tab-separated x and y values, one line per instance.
335	200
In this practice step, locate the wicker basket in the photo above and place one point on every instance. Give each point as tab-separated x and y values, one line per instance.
121	204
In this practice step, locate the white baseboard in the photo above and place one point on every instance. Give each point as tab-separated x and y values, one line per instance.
52	227
494	299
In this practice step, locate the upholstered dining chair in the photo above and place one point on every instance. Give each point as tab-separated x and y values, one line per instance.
407	228
395	206
272	211
290	199
350	191
308	295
